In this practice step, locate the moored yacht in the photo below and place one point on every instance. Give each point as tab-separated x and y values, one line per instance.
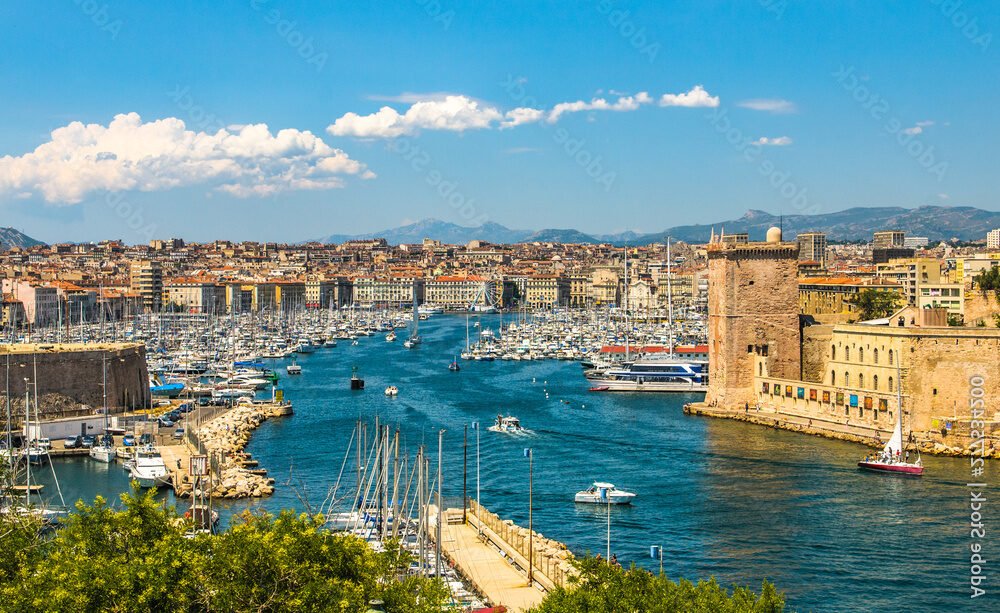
104	450
148	468
652	376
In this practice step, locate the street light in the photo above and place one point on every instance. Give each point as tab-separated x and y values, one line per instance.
656	551
531	533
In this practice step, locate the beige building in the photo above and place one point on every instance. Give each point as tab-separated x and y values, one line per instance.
812	248
388	291
545	291
460	292
605	286
888	239
832	299
195	295
146	279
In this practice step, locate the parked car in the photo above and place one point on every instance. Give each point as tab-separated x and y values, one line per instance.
187	407
128	440
174	415
179	433
204	401
72	442
145	438
166	422
88	441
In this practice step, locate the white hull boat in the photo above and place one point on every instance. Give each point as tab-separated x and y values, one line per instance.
604	493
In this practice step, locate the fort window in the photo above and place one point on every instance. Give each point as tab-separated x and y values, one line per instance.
875	382
890	357
749	348
890	384
875	355
847	354
935	391
861	411
847	379
861	355
760	369
833	352
861	380
833	377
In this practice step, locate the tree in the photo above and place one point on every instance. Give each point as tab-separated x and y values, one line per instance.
138	558
875	304
988	280
611	589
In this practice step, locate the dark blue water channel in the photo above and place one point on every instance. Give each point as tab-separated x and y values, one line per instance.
736	501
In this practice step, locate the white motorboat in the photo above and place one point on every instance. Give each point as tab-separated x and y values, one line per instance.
390	337
148	468
604	493
293	369
104	450
392	390
507	425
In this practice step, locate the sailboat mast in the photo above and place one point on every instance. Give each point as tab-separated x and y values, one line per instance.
625	302
670	300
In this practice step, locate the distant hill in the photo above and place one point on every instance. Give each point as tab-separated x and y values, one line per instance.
935	222
9	237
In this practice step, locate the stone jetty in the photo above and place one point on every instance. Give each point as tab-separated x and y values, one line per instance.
224	439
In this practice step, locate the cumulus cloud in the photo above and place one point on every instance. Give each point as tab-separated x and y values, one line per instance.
453	113
919	128
778	141
769	105
696	97
458	113
129	154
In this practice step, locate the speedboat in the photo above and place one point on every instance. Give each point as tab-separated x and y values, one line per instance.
148	468
392	390
507	425
293	369
454	367
604	493
390	337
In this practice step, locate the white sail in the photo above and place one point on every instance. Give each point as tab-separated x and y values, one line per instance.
895	444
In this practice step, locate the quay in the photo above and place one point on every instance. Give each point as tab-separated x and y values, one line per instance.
492	555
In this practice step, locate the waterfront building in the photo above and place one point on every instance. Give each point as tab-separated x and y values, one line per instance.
397	290
545	291
194	294
460	292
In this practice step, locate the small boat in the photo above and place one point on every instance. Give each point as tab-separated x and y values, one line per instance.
104	451
507	425
454	367
390	337
392	390
604	493
599	388
293	369
357	383
37	454
148	468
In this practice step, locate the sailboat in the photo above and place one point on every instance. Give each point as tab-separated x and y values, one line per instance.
892	457
414	339
104	450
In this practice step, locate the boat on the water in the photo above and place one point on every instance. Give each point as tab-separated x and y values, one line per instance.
392	390
454	367
507	425
652	376
604	493
293	369
390	337
104	450
894	458
148	468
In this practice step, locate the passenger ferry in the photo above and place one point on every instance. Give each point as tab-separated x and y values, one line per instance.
652	376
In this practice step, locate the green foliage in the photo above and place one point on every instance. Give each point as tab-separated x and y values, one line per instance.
610	589
139	559
988	281
955	320
996	320
875	304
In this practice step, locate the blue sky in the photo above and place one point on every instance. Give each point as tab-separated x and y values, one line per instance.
598	115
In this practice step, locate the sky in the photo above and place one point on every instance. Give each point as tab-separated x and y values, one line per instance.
288	120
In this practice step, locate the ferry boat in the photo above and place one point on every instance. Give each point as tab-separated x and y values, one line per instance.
652	376
148	468
507	425
604	493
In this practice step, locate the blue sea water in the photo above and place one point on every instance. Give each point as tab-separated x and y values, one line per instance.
739	502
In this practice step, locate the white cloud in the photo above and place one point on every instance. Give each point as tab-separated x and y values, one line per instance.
919	128
458	113
624	103
696	97
778	141
769	105
129	154
453	113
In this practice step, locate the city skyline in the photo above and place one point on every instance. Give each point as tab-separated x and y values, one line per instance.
214	122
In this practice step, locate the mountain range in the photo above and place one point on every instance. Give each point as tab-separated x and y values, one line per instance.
937	223
9	237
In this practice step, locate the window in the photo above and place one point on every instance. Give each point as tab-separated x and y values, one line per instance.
875	382
861	355
890	357
847	353
847	379
833	352
875	355
833	377
861	380
890	384
760	369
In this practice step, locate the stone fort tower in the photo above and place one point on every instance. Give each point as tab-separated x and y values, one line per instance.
753	309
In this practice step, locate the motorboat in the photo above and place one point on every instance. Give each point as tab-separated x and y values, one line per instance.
604	493
507	425
37	454
104	451
454	367
390	337
293	369
392	390
148	468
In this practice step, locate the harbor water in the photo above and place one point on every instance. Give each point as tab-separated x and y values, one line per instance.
739	502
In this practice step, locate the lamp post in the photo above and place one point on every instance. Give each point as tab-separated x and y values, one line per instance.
531	532
656	551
